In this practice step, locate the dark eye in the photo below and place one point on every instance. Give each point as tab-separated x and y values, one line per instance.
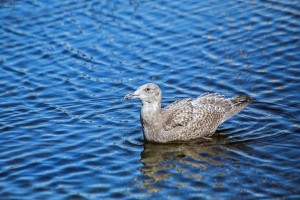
147	89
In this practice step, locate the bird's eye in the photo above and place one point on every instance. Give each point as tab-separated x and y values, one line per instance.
147	89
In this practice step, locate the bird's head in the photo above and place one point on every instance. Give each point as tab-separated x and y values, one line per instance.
148	93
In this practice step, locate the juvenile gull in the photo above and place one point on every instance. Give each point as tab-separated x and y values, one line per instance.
186	119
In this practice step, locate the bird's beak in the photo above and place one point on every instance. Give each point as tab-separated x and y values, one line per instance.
133	95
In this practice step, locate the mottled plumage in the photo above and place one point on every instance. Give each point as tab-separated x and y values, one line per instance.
186	119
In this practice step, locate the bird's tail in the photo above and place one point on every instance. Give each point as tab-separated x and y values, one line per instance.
238	104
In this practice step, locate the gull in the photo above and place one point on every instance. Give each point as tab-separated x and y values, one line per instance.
186	119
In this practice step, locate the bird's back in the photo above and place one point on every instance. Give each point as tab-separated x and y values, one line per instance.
231	106
192	118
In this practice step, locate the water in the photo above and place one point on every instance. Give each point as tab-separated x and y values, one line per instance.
67	133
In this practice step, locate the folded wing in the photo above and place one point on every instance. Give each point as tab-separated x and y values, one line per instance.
206	112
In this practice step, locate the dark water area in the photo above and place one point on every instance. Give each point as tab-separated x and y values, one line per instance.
67	133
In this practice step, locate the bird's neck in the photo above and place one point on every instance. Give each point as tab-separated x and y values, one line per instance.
151	119
150	112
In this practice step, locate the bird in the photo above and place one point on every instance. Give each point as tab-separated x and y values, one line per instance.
185	119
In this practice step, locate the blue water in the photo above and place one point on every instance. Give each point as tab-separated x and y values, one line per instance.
67	133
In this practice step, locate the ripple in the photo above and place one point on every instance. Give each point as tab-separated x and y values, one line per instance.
66	132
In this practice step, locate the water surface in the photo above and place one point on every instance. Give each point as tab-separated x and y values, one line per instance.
67	133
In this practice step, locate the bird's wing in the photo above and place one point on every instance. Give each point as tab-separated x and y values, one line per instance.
231	106
214	99
182	113
179	113
207	117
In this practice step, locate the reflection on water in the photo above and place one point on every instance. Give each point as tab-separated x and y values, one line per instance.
215	166
160	160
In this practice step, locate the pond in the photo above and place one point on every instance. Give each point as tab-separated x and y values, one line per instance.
67	133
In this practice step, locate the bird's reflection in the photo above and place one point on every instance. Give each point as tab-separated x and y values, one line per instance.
160	160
